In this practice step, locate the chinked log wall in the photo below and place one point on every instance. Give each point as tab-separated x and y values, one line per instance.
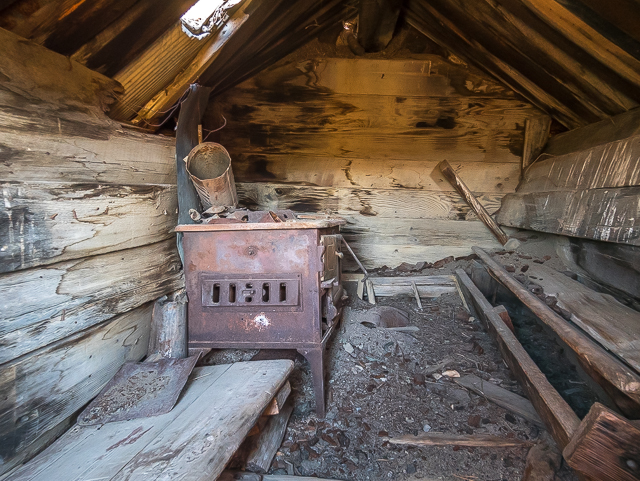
362	137
86	242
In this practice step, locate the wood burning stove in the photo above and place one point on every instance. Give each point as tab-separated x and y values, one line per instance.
265	285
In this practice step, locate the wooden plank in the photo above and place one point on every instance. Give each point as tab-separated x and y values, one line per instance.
248	107
316	224
418	280
395	254
67	458
377	242
612	324
50	149
435	232
621	383
200	441
407	290
268	441
606	131
613	164
278	401
611	215
458	145
425	76
352	202
43	305
471	440
42	389
468	196
330	171
605	446
43	223
502	397
283	477
558	417
39	73
536	134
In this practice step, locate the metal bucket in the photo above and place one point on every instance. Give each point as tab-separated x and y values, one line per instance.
209	167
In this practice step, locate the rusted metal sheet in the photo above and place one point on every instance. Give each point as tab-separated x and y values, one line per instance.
139	390
262	289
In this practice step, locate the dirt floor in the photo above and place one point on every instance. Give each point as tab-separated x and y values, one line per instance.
384	383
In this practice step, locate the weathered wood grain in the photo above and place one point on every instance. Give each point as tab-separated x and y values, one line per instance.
557	415
45	148
618	127
536	134
44	388
612	324
329	112
444	29
549	52
613	164
471	440
502	397
620	382
413	145
605	446
429	76
197	438
373	172
67	458
470	199
353	202
611	215
38	73
211	435
43	223
391	242
268	441
44	305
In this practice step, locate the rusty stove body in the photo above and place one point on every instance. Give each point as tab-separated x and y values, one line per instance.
265	286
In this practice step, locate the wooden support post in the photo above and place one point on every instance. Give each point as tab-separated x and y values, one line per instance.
557	415
276	404
477	207
169	327
416	294
620	382
268	441
536	133
606	446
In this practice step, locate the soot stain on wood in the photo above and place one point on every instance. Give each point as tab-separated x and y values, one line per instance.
516	143
259	168
347	173
241	112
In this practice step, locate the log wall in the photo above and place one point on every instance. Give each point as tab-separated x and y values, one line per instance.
361	137
86	242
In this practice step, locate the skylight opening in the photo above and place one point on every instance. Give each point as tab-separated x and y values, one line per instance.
205	16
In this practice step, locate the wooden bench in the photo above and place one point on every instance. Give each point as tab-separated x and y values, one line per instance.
216	410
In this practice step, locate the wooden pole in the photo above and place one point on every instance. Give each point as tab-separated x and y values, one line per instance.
554	411
168	336
477	207
620	382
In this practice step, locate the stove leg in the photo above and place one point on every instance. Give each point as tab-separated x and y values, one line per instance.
316	362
